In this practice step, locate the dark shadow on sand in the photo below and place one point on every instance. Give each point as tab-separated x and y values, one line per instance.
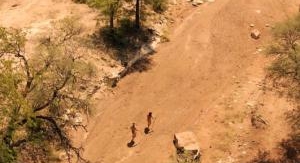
131	144
147	130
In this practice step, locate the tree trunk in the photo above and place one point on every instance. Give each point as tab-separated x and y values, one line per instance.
111	20
137	14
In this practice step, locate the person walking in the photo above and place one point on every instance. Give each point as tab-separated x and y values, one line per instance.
149	119
133	132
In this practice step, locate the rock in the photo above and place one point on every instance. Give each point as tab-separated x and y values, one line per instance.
68	111
258	11
65	117
115	74
267	25
251	25
15	5
83	87
255	34
174	2
229	159
147	49
186	143
197	2
78	119
62	156
258	121
251	105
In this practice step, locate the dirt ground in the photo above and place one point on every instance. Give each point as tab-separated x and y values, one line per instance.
36	18
207	79
36	14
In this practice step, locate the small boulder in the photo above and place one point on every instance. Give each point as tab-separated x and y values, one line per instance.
15	5
62	156
197	2
258	11
255	34
147	49
187	146
77	119
65	117
259	50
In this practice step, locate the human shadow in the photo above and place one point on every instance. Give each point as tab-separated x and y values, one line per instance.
131	144
147	130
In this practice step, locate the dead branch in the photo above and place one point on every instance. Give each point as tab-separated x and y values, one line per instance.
65	141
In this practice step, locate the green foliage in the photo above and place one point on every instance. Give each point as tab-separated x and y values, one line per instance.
80	1
288	33
125	39
285	70
37	93
9	36
285	74
6	154
158	5
108	7
186	157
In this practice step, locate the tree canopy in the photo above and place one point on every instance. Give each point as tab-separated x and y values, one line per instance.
108	8
40	94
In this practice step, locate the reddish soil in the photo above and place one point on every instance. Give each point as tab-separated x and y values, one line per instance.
207	79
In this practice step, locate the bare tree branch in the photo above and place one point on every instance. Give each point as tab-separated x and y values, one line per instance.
54	94
19	142
65	141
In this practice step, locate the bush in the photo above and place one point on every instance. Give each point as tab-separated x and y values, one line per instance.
39	91
285	74
285	70
80	1
158	5
6	154
125	40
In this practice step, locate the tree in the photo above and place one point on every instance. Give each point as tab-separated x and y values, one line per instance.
158	5
285	70
40	94
137	14
285	75
108	8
